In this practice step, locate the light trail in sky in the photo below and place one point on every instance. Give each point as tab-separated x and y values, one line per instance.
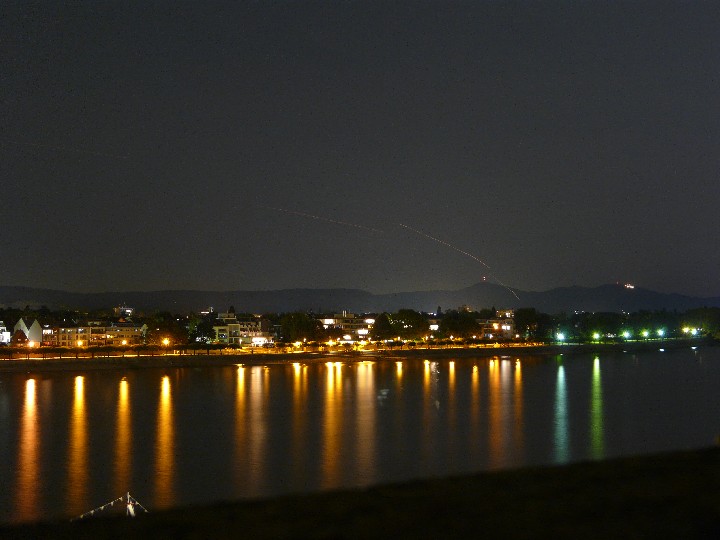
320	218
443	242
63	149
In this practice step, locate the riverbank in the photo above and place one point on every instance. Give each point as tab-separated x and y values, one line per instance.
39	365
673	495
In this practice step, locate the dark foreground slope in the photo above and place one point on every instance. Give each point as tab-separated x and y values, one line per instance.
674	495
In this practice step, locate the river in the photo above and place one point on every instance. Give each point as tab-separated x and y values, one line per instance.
72	441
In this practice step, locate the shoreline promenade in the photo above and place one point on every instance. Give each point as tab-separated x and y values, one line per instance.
86	360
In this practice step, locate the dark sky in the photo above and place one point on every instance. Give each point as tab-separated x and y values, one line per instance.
187	144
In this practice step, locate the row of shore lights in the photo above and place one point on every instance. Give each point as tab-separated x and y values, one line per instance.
560	336
81	343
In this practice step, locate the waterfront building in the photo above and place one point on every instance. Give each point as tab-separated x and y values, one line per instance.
115	334
501	327
4	334
349	324
33	333
241	330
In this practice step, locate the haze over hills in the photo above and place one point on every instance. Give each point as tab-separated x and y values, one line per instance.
481	295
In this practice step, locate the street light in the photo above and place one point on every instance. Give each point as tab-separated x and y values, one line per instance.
560	336
166	342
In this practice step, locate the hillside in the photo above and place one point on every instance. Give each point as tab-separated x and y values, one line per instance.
603	298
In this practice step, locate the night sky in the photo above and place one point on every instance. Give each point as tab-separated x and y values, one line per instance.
271	145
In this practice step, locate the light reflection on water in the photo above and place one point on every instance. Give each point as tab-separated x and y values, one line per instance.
164	448
596	413
562	438
365	421
267	430
77	499
28	473
123	440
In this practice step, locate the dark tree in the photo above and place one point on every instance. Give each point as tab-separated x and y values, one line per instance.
409	324
382	329
459	324
299	326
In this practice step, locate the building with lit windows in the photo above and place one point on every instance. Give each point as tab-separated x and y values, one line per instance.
501	327
241	330
349	324
98	334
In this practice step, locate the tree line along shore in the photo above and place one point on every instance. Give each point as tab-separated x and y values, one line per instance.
159	330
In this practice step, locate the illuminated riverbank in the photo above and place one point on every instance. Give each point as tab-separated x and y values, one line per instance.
252	357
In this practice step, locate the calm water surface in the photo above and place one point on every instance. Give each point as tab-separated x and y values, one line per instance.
70	442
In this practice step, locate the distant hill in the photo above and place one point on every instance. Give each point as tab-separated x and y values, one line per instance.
603	298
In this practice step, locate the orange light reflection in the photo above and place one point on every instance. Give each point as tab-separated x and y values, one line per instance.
123	440
165	448
78	450
28	467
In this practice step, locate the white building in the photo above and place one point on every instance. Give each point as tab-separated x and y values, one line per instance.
4	334
33	332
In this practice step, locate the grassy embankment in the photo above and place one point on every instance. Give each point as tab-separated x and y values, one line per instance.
674	495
